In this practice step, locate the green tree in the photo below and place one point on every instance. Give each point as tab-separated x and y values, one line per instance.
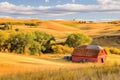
19	42
2	39
76	39
35	48
6	26
34	42
44	40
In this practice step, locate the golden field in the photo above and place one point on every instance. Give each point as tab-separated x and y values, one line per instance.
61	28
11	63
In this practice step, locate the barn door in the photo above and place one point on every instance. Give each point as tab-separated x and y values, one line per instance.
102	60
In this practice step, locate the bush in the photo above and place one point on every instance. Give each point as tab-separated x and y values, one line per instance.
113	22
112	50
77	39
31	24
60	49
115	51
17	29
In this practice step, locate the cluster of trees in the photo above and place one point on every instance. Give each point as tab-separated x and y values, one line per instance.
32	43
112	50
73	40
77	39
37	42
7	24
31	24
113	22
40	42
82	22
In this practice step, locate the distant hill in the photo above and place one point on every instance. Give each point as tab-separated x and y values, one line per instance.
62	28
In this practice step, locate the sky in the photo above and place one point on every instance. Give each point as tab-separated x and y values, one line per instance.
92	10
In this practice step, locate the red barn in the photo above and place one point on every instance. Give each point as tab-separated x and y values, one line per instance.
89	53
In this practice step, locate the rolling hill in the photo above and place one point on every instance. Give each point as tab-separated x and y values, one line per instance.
61	28
102	32
13	63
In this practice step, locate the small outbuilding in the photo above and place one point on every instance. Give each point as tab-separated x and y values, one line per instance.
89	53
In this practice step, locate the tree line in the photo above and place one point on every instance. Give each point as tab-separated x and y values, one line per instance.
38	42
31	42
8	25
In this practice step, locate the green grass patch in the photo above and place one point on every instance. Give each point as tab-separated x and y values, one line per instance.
85	28
72	25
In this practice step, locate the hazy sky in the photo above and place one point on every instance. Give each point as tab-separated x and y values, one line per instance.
61	9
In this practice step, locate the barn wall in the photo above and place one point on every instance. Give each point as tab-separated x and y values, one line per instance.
102	57
81	59
80	54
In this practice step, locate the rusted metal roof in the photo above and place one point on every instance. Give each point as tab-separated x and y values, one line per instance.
96	47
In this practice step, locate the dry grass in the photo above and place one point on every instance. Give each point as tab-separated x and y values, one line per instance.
12	63
107	40
90	73
62	28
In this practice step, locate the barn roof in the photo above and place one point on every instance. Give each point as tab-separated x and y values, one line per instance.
87	50
96	47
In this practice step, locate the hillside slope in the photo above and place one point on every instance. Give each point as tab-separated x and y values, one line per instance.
107	40
56	26
62	28
10	63
13	63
